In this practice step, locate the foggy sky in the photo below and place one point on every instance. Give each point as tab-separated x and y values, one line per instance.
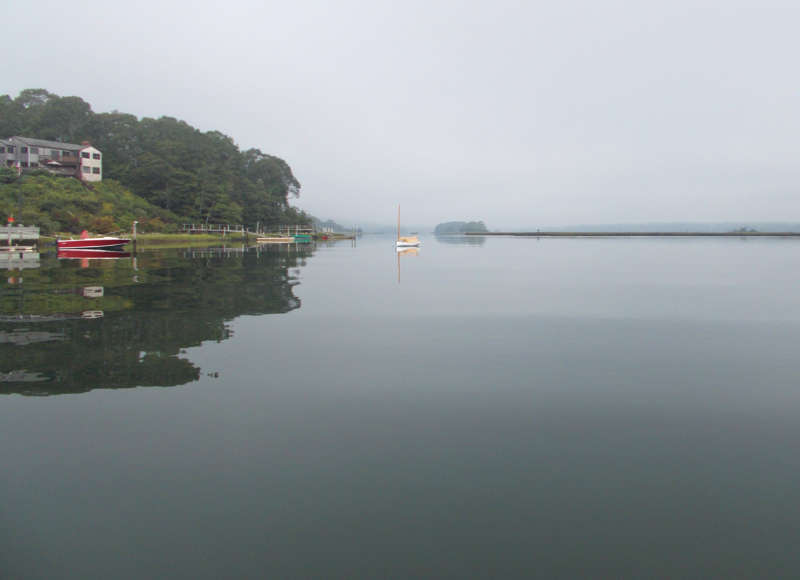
517	113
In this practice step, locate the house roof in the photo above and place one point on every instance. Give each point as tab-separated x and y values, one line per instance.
49	144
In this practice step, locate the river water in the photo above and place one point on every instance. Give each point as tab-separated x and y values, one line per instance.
482	408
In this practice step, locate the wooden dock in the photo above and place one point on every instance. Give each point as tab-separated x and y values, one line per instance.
274	233
276	240
19	233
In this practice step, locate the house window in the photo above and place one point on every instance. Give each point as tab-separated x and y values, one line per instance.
85	155
34	164
35	150
95	156
24	150
66	154
24	164
96	170
10	148
2	149
85	169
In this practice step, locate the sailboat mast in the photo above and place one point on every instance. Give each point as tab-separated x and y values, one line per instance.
398	223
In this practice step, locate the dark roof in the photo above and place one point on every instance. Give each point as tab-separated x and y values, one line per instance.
49	144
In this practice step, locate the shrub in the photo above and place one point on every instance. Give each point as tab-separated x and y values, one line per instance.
103	224
7	175
154	225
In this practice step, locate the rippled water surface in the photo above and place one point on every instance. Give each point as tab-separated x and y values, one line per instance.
483	408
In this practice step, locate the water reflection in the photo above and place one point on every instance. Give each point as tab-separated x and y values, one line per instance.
92	254
404	252
461	240
18	260
72	326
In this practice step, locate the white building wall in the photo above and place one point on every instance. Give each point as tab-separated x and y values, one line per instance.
91	168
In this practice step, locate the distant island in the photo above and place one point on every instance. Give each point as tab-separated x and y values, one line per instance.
451	228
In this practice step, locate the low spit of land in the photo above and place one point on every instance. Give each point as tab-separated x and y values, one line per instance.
641	234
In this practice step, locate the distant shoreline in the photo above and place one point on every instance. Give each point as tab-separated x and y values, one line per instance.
641	234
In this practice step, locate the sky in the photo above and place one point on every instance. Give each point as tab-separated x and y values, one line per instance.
520	114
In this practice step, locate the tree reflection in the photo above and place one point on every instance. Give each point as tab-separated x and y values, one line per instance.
461	239
125	323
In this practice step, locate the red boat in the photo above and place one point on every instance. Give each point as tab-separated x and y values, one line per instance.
87	243
93	243
95	254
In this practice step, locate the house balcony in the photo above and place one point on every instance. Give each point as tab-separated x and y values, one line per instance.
47	161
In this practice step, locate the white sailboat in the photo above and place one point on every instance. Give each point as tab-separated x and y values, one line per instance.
405	241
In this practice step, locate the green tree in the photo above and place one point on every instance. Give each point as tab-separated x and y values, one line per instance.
7	175
167	162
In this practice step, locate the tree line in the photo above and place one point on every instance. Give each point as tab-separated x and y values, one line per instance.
448	228
192	175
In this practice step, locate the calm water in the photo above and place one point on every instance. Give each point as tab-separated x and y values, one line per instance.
498	408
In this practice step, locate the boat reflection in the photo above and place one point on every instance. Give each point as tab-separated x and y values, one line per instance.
22	376
413	251
90	314
92	254
25	336
92	291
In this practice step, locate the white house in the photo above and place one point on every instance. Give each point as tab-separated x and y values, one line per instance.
25	154
91	163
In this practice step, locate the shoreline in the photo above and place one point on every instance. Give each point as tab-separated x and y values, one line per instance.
184	240
640	234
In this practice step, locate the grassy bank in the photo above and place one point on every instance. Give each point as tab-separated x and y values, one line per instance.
184	240
187	240
158	240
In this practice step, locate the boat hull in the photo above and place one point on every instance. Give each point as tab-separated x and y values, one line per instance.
407	241
93	244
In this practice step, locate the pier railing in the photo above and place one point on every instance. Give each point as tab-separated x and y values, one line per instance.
282	229
18	233
292	230
214	228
